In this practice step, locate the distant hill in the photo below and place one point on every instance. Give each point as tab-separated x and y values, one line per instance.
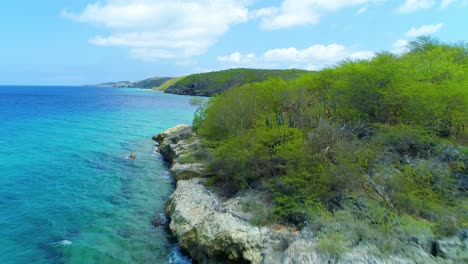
208	84
168	83
145	84
151	82
120	84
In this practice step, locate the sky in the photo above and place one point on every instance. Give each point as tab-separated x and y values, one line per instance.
77	42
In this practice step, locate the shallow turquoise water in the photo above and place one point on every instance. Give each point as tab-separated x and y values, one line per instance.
64	175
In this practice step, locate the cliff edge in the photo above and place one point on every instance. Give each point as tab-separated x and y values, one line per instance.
215	229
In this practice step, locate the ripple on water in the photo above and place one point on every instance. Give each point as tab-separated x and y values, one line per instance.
67	193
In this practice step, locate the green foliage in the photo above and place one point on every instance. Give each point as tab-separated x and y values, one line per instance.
200	113
144	84
188	159
464	150
166	84
408	141
332	245
151	82
362	151
413	227
261	215
421	189
197	101
259	154
211	83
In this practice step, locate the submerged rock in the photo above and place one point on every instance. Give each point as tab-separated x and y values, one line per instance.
159	220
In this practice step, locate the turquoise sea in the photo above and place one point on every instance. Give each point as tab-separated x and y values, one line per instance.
68	194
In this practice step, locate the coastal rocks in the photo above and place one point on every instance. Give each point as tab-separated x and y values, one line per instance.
209	229
214	229
159	220
453	248
306	251
185	171
212	236
170	145
174	144
174	134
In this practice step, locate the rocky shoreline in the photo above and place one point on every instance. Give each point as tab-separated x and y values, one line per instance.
215	229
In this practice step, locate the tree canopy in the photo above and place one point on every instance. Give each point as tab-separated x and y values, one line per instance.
382	139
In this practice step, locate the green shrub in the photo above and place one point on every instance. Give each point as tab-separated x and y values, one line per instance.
413	227
188	159
421	189
261	215
407	140
333	245
368	145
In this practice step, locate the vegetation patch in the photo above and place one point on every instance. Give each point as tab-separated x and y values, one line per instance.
211	83
167	83
364	152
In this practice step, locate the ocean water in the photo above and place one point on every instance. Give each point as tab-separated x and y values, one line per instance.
68	194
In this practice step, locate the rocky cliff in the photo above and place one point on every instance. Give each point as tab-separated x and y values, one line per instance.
214	229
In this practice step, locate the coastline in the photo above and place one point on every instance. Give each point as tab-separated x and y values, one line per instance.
70	180
212	228
209	227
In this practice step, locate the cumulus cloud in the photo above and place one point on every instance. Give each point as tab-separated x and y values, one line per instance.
362	55
162	29
400	46
316	52
301	12
445	3
361	10
313	57
424	30
324	54
410	6
237	57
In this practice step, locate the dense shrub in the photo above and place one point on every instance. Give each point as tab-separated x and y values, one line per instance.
371	141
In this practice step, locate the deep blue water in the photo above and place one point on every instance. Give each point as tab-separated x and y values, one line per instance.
64	175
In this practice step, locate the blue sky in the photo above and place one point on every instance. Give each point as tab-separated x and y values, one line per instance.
75	42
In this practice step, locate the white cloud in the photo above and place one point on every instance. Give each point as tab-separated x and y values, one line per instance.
262	12
361	10
162	29
424	30
399	46
446	3
302	12
313	57
316	52
362	55
400	43
410	6
237	57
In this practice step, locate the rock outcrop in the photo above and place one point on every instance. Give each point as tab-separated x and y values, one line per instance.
212	235
174	144
214	229
210	230
170	142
